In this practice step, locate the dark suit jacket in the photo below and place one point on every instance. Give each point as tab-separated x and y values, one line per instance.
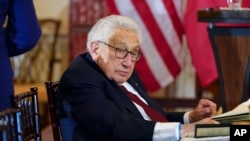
98	107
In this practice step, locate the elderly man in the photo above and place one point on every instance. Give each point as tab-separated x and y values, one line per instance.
102	97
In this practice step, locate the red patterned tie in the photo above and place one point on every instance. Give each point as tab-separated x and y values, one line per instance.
153	114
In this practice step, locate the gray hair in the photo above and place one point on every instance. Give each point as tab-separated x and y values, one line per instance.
104	28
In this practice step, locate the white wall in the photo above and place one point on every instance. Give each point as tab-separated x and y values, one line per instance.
58	9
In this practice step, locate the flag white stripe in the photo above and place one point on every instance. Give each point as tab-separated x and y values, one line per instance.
153	58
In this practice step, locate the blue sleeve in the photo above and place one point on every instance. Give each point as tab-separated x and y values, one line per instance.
23	29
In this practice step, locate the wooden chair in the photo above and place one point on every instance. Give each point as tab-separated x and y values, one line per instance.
50	30
38	65
51	88
11	125
27	102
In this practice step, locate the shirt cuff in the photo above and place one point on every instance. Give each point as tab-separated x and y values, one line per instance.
186	117
167	131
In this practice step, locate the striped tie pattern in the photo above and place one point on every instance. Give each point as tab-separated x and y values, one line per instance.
153	114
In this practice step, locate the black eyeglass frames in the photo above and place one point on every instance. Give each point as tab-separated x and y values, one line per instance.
122	53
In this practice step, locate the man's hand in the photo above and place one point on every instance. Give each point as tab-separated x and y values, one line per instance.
189	129
204	109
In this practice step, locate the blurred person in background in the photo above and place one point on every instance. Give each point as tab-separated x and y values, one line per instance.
19	33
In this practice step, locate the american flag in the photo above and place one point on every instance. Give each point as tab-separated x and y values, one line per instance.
161	24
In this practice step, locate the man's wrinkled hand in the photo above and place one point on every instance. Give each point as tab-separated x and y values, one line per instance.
188	130
204	109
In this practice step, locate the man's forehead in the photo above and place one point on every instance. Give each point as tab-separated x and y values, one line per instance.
124	36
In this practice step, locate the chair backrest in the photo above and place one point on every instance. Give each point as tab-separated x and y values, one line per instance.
51	88
28	104
11	125
50	28
38	65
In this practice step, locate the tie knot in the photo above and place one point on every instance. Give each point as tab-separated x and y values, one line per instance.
123	88
128	93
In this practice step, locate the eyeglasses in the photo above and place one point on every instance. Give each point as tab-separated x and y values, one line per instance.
122	53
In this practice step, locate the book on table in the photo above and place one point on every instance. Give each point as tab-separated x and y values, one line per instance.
211	130
239	113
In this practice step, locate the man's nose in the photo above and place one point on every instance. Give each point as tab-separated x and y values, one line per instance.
128	60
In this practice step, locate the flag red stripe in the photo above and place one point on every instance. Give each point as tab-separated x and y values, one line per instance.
157	37
111	7
148	78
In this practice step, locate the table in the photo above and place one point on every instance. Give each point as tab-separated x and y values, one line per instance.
223	15
229	34
221	138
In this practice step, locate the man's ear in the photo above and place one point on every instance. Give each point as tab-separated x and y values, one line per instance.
94	50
